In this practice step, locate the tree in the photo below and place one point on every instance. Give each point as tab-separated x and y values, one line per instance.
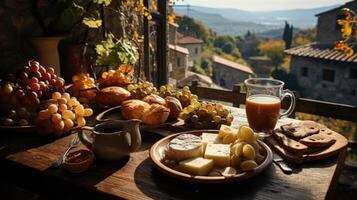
288	35
190	26
206	65
305	36
228	48
274	49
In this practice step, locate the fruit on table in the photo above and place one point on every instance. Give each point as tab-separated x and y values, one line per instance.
64	113
184	95
84	87
123	75
204	115
141	90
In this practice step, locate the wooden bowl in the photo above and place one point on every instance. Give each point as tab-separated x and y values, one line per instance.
83	162
157	155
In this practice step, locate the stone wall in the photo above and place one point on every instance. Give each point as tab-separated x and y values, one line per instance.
327	30
193	57
16	28
226	76
178	72
342	90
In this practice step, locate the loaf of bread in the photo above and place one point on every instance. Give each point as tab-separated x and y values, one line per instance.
134	109
153	98
112	96
156	114
174	105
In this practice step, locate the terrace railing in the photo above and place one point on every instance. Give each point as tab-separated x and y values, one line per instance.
322	108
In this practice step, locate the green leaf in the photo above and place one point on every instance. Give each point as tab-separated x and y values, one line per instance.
105	2
92	23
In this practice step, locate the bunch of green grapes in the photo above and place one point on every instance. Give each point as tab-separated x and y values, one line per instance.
141	90
61	114
184	95
204	115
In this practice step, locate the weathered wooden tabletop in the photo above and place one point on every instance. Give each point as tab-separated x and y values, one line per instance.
25	159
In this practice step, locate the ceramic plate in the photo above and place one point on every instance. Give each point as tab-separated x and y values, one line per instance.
157	154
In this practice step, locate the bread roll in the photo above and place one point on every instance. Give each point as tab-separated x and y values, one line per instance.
134	109
174	105
156	114
153	98
112	96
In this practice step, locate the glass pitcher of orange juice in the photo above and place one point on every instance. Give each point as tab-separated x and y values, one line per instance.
263	103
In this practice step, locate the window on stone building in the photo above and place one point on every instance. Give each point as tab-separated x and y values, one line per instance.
178	62
353	73
196	50
328	75
304	71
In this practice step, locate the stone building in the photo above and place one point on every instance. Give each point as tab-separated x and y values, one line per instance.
227	73
194	46
178	55
178	61
261	65
322	72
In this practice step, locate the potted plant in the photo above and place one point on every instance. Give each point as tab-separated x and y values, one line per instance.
56	19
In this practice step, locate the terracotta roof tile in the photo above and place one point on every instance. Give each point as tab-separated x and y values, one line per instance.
326	52
189	40
234	65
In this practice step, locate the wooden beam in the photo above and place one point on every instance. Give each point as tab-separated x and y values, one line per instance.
162	68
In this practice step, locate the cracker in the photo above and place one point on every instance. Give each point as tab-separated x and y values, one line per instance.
301	129
318	140
289	144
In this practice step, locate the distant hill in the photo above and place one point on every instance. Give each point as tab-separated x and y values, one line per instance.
236	22
224	26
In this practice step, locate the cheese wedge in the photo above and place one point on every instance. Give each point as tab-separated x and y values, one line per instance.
210	138
219	153
196	166
183	147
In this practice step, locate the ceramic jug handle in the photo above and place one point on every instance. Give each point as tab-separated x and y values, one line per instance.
135	135
83	136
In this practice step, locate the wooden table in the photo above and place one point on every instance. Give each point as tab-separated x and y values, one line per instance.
25	160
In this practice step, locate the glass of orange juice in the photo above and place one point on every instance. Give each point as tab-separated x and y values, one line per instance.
263	103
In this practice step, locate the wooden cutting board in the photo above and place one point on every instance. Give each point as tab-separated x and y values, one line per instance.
341	142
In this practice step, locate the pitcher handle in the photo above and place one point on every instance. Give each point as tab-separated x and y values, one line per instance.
83	136
288	93
135	136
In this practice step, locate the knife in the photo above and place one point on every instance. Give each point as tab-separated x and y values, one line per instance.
282	164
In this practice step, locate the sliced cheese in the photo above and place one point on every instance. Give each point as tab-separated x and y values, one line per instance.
196	166
210	138
226	130
219	153
183	147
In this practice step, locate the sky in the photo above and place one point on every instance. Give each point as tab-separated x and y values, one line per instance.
253	5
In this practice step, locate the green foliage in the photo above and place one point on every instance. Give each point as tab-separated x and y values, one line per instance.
288	35
289	79
189	26
105	2
228	48
113	52
206	65
303	37
248	45
198	69
274	49
92	22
